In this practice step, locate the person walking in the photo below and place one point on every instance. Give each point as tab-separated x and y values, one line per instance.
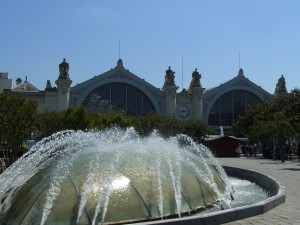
254	150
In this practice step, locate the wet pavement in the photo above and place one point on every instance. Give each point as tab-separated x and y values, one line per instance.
287	174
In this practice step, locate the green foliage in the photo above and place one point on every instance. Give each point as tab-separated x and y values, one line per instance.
277	119
165	125
196	129
76	119
170	126
50	122
72	119
292	110
17	121
101	121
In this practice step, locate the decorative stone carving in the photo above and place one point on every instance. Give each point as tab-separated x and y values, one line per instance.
49	86
120	63
64	70
280	87
169	77
241	72
195	79
184	93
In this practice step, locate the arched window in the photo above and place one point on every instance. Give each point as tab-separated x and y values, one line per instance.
118	97
230	106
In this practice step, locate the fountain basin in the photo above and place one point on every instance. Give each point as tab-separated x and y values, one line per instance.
110	177
276	190
117	177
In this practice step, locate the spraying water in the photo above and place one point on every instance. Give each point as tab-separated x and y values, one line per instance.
110	176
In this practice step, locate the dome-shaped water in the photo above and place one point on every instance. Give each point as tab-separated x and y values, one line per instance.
110	176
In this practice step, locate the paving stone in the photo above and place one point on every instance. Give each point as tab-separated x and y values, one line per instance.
288	174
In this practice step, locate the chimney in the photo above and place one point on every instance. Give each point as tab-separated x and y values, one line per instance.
18	81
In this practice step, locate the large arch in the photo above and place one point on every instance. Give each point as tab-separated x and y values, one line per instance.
229	107
118	97
98	84
122	76
239	85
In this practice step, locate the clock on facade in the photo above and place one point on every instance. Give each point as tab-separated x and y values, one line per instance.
183	111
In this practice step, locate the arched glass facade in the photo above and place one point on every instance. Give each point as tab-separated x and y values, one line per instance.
230	106
118	97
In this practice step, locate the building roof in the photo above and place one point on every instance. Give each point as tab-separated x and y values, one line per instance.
25	87
117	74
238	82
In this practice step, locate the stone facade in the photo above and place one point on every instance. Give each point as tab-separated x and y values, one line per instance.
166	101
119	90
5	82
51	99
189	102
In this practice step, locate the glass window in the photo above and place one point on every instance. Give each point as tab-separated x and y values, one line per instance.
118	97
230	106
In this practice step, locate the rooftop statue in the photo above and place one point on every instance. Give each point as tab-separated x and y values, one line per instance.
64	70
280	87
196	79
169	77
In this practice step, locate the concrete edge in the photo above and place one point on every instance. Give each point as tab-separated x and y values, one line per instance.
276	190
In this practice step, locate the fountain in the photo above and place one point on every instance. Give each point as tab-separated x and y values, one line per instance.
112	177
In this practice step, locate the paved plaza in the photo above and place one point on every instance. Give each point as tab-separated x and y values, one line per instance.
288	174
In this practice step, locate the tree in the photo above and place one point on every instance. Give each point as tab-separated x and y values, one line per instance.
76	119
272	121
17	122
292	109
196	129
101	121
49	123
165	125
170	126
72	119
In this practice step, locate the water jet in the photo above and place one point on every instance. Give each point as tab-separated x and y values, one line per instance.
113	177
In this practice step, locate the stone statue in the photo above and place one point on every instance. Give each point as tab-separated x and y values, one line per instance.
169	77
195	79
281	81
48	86
280	87
64	70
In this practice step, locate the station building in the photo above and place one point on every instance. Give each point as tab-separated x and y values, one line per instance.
120	91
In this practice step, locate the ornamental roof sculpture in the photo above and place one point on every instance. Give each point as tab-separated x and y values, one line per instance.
280	87
195	79
64	70
169	77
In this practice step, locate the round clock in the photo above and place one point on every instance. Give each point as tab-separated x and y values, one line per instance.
183	111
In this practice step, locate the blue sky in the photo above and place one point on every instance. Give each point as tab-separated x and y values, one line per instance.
154	34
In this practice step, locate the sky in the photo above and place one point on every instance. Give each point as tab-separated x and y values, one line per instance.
215	36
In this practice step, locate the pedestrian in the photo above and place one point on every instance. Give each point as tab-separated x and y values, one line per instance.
247	150
254	150
238	150
282	152
250	150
